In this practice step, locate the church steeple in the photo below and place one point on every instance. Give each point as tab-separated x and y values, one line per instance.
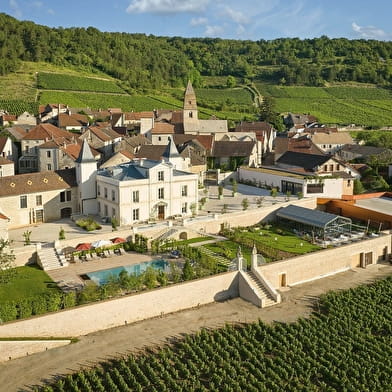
190	106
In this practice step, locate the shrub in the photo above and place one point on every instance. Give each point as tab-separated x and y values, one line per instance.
25	308
8	311
88	224
69	300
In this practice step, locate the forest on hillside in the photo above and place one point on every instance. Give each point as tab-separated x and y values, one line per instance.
145	61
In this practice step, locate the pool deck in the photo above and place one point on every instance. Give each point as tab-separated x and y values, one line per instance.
70	276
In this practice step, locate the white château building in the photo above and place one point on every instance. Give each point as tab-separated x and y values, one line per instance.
144	189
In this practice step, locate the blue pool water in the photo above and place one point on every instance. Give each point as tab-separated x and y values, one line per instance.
102	277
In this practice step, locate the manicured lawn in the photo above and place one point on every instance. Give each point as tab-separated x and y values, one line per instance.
229	249
28	282
193	240
285	241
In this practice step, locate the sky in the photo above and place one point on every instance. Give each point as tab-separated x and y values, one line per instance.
233	19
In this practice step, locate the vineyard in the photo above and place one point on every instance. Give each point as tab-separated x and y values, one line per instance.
345	346
55	81
18	107
367	106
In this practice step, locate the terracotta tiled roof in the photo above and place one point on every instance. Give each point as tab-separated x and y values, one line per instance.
104	133
17	132
9	117
162	128
127	154
46	132
177	116
37	182
5	161
206	141
73	120
137	116
149	151
3	141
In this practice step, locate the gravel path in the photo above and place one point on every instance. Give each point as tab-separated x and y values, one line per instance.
299	301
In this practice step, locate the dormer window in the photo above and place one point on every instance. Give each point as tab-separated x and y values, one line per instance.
190	115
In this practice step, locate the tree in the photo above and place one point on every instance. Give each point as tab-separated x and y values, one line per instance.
193	208
27	237
245	204
7	262
114	222
358	187
231	81
260	201
235	187
61	234
220	191
187	271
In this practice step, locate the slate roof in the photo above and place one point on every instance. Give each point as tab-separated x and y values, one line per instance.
37	182
302	144
254	126
364	150
85	154
307	216
104	133
153	152
222	149
306	161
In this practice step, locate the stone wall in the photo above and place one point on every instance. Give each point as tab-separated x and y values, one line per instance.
86	319
325	262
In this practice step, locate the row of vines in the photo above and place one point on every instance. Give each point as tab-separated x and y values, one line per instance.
18	107
345	346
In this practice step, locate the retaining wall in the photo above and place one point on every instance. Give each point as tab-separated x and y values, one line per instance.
86	319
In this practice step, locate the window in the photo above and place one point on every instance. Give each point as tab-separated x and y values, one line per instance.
113	195
99	207
159	138
135	214
49	166
331	168
348	182
184	208
105	193
135	196
161	176
337	167
23	202
184	190
325	167
38	200
98	190
315	188
48	154
106	210
113	212
293	187
161	193
65	196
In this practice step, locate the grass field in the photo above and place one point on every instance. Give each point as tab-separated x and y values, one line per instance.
55	81
367	106
28	282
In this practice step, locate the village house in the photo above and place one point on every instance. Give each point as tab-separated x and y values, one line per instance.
102	138
350	152
7	167
72	122
331	142
38	197
42	133
8	149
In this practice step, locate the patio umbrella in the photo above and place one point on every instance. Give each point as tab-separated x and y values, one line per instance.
69	249
83	246
100	243
118	240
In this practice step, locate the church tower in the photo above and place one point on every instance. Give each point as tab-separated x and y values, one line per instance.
86	173
190	106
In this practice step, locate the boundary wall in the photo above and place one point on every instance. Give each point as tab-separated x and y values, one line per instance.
86	319
316	265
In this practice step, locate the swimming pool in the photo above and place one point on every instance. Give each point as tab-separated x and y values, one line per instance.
102	277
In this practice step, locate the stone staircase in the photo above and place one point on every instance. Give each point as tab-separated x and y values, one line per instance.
166	233
260	290
50	259
230	265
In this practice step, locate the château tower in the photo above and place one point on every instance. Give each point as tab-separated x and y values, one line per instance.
86	172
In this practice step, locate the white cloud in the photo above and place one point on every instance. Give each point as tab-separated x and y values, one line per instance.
199	21
15	8
50	11
167	6
240	30
37	4
371	32
213	31
235	16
